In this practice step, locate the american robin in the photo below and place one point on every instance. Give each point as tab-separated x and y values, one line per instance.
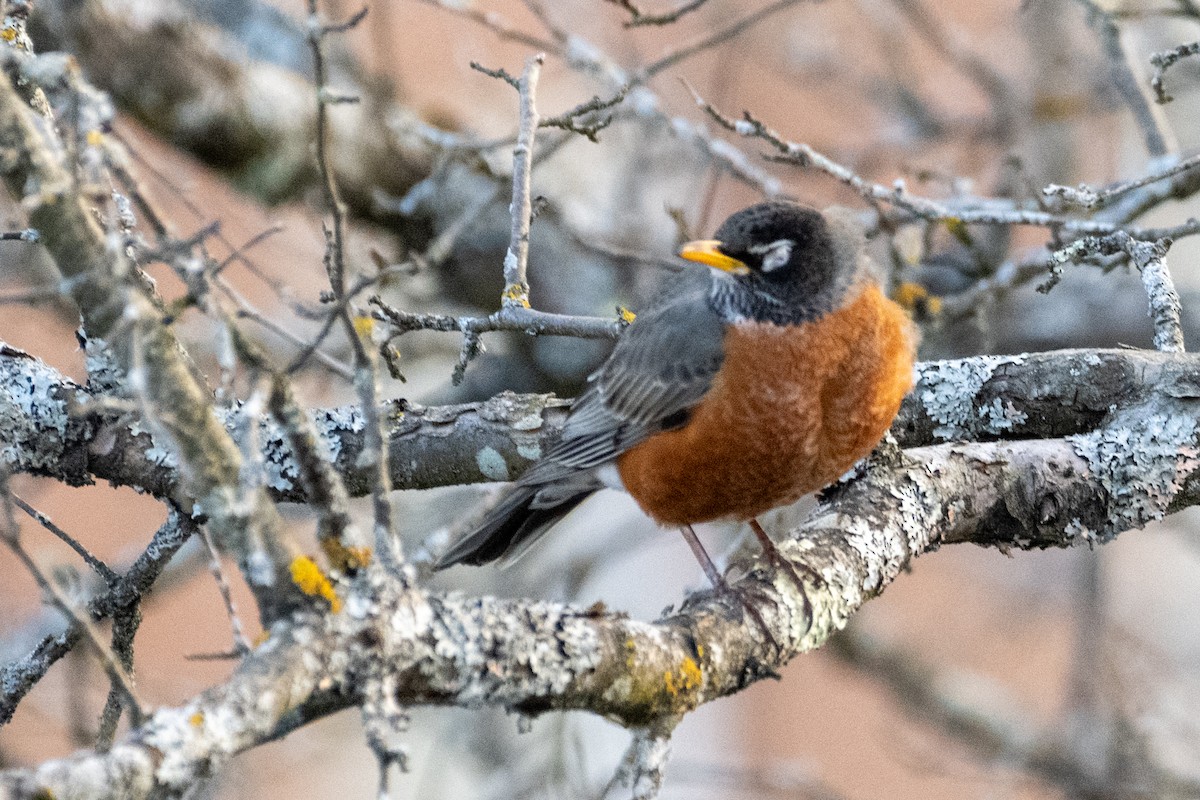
741	389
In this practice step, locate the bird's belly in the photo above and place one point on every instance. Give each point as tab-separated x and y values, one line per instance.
790	411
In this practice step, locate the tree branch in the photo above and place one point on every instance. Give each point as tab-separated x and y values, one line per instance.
533	657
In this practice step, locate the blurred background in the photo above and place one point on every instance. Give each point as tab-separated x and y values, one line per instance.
979	674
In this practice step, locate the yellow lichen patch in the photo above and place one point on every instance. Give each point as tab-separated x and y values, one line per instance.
958	229
517	294
630	653
8	34
364	326
917	299
44	793
262	637
344	558
625	315
197	719
95	138
308	576
685	680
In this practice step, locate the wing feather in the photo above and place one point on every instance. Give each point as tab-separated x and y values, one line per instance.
660	369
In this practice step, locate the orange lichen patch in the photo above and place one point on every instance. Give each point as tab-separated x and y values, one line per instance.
791	410
685	680
308	576
262	637
343	558
197	719
625	315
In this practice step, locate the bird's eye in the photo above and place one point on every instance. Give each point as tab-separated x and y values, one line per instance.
776	254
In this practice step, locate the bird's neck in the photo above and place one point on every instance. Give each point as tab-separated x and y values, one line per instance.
740	301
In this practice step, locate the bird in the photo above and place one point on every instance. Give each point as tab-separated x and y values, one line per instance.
742	388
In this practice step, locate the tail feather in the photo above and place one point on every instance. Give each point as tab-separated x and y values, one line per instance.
509	528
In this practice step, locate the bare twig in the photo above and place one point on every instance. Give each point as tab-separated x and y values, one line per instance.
525	320
516	260
1149	117
961	211
638	18
498	24
247	310
126	622
990	80
1085	196
574	120
241	644
1150	259
19	676
1165	310
96	564
721	36
1163	61
112	667
366	383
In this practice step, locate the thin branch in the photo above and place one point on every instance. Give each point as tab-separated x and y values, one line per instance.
965	211
241	645
574	119
19	676
96	564
1084	196
639	18
1150	259
366	383
1165	309
112	667
1162	61
721	36
997	733
1149	117
516	260
518	318
497	23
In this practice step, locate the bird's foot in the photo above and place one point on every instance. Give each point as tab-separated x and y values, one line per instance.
788	566
722	586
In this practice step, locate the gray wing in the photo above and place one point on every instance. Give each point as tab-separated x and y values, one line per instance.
659	370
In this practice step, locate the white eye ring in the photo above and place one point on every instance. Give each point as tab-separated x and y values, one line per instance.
777	254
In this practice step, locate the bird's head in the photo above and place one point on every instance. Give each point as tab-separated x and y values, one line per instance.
781	262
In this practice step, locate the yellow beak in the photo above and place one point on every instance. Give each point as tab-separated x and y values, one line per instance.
705	251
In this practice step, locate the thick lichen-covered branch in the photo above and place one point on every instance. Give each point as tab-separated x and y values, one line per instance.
977	399
533	657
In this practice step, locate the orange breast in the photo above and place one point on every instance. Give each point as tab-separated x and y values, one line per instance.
790	411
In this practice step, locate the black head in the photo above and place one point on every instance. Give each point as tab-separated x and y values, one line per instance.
780	262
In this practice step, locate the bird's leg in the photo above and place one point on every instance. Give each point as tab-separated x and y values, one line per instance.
719	583
706	563
786	564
